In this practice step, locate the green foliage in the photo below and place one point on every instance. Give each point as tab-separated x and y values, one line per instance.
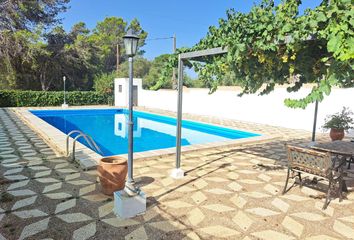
104	84
152	78
107	34
341	120
272	45
23	14
192	83
38	58
7	75
160	74
141	68
12	98
20	22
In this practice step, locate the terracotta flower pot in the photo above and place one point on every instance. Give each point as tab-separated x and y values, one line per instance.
112	172
336	134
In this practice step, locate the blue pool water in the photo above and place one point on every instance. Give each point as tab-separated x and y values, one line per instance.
108	127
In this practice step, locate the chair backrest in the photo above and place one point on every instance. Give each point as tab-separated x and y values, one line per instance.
309	160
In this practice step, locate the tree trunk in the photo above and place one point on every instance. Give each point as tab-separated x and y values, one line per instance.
43	80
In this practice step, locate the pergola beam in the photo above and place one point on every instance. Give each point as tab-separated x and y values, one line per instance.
197	55
203	53
178	172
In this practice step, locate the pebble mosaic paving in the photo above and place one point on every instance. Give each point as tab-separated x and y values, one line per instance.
227	193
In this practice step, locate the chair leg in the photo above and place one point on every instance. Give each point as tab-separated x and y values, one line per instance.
342	185
299	175
328	195
286	182
340	189
350	161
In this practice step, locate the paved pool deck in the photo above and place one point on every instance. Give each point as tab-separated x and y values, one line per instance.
227	193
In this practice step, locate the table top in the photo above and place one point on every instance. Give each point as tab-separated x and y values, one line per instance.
336	147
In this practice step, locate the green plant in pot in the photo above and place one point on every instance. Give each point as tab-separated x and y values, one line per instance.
338	123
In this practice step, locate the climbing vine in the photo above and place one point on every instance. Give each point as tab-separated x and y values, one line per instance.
275	45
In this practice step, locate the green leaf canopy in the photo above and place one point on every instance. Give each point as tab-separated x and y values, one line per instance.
275	45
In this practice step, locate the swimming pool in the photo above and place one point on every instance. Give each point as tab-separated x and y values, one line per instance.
108	127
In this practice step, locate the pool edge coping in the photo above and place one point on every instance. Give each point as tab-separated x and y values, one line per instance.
89	159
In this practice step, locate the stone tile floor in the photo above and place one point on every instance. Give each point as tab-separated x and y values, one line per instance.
228	193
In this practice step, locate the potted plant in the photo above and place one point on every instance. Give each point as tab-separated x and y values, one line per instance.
112	172
338	123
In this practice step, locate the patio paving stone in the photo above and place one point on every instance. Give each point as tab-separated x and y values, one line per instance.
229	192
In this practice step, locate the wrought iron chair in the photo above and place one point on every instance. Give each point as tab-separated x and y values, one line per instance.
351	160
303	160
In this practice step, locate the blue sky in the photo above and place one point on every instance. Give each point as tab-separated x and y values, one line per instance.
188	19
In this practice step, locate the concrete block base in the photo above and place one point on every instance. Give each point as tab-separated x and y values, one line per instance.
64	105
126	206
177	173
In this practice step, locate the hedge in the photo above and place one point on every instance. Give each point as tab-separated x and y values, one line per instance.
15	98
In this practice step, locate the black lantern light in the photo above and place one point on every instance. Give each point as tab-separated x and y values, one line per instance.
131	43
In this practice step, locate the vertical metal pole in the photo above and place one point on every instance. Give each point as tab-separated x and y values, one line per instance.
64	79
179	113
130	182
314	122
315	115
174	82
118	56
174	43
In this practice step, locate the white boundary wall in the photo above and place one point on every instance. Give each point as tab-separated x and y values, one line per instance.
267	109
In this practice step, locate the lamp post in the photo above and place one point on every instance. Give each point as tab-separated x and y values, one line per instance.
64	105
131	46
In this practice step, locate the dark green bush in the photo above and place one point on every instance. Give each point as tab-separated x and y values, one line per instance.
13	98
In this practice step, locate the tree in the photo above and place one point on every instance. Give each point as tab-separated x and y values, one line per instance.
46	57
81	59
20	21
107	34
155	71
18	67
79	29
19	15
160	76
104	83
25	14
140	69
273	45
37	57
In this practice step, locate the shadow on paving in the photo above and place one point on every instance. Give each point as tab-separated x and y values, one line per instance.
47	196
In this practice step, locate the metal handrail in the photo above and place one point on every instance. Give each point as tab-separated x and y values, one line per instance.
88	139
67	140
94	144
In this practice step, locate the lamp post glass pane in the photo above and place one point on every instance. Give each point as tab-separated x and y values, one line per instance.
131	45
134	45
128	48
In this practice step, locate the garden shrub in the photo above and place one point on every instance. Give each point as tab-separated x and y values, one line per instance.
14	98
104	84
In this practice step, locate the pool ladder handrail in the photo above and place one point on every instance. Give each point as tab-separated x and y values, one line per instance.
88	139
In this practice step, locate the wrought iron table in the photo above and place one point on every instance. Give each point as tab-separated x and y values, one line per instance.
343	151
338	148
